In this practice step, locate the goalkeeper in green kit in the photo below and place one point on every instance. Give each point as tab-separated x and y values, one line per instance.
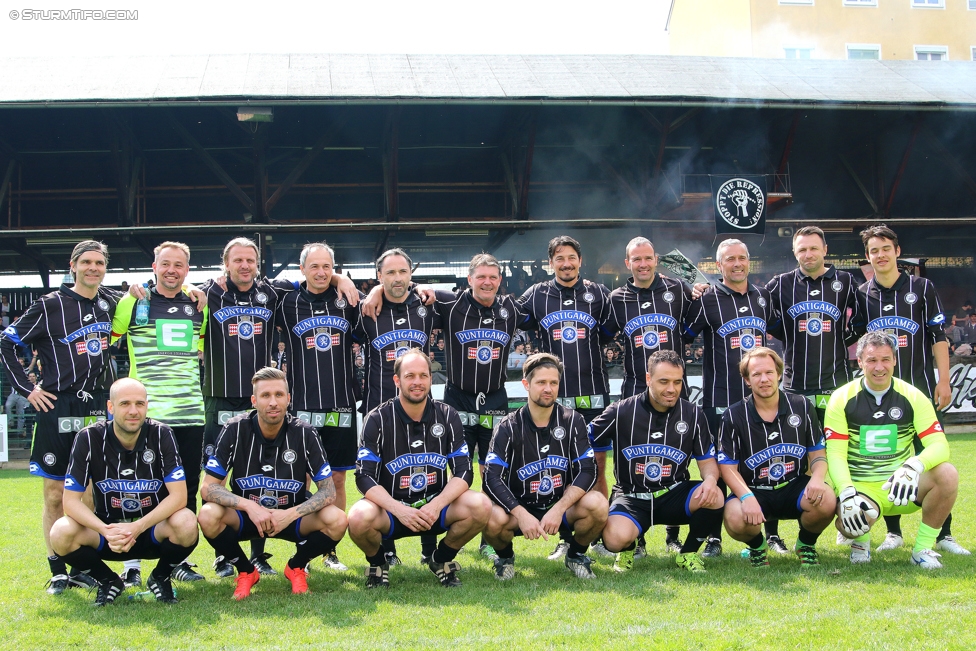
870	426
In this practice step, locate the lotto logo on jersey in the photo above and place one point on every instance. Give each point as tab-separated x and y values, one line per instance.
546	485
569	334
93	346
777	471
418	481
484	354
245	329
322	341
651	338
813	326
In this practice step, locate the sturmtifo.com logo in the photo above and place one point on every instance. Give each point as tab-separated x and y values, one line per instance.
740	202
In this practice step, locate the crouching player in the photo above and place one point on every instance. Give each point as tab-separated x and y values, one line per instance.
139	493
539	469
268	454
767	443
654	436
870	425
408	444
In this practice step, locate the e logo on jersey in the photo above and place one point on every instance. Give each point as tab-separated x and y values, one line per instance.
176	336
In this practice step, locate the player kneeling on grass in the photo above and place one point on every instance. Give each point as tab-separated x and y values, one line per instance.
268	453
654	436
870	425
408	443
139	494
539	468
767	443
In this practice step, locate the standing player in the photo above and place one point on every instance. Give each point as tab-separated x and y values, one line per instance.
769	440
872	424
69	330
812	303
268	455
567	312
650	310
408	443
733	318
539	470
654	436
139	494
163	356
908	308
319	323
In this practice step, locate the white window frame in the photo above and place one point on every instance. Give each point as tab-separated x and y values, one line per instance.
932	49
923	4
798	48
860	3
863	46
972	5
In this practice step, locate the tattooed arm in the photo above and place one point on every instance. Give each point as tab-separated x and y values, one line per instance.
215	492
324	496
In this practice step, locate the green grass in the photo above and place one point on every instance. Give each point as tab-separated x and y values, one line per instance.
888	604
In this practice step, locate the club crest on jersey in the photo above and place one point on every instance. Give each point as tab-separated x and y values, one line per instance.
837	285
895	413
653	469
911	298
148	456
129	502
322	340
484	353
668	297
261	298
417	481
437	430
681	427
91	340
421	311
503	313
589	297
268	500
103	304
340	303
794	420
244	328
559	433
777	470
49	459
289	456
761	301
546	484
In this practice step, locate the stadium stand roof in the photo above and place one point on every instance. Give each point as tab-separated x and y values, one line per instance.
596	79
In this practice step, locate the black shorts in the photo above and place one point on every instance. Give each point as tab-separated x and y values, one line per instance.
538	514
189	445
54	433
249	531
782	503
218	412
337	427
399	530
146	546
479	418
672	508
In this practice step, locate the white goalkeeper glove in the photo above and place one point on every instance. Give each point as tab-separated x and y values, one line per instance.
902	486
855	511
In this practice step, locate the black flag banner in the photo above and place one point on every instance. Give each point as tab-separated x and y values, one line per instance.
682	267
740	204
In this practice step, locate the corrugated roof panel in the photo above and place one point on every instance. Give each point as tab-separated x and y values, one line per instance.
475	77
351	76
515	77
595	79
225	75
434	76
554	76
392	76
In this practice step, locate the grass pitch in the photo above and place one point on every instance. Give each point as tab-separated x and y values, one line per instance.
886	605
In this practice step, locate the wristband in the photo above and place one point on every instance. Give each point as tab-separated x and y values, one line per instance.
743	498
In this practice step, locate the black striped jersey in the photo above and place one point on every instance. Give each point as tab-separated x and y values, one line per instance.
476	339
768	454
320	329
651	319
269	472
730	324
532	466
813	314
163	355
568	321
652	449
70	334
398	328
912	312
409	458
878	436
239	336
126	484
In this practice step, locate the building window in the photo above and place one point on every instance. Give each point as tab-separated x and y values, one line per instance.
798	52
973	52
860	3
939	4
863	51
972	5
931	52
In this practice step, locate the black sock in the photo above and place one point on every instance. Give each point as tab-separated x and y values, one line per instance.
807	537
631	547
508	551
388	547
772	528
564	536
170	555
670	533
704	523
946	528
444	553
57	565
893	522
257	547
428	543
315	544
377	559
576	548
756	542
226	544
642	541
87	559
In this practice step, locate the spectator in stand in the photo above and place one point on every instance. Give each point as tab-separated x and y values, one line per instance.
699	354
689	354
4	311
517	358
954	333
